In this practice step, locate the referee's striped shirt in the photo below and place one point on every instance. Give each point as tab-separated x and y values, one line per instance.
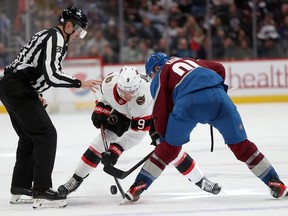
39	62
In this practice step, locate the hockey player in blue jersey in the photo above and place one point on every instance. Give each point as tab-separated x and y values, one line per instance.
186	92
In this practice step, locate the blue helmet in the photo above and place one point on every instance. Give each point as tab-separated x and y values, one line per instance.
156	59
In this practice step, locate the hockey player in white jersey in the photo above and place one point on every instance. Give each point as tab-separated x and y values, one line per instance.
124	110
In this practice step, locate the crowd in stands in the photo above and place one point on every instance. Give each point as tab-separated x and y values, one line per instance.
184	28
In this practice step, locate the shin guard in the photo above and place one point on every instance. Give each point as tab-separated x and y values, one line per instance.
188	167
89	161
247	152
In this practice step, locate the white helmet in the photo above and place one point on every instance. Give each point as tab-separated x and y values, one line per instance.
128	81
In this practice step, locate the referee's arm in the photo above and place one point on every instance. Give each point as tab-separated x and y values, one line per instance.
54	54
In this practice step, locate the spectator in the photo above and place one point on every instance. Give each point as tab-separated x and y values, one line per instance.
5	25
184	50
130	53
197	43
283	30
93	52
157	16
111	35
98	41
109	56
148	32
243	51
230	49
191	26
4	56
162	45
145	51
218	49
270	48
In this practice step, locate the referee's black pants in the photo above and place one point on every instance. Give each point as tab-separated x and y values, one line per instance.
37	143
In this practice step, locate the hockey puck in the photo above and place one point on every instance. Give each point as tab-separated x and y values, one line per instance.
113	189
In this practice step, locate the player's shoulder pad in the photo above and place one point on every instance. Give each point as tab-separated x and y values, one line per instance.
110	78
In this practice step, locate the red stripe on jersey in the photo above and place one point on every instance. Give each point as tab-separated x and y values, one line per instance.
117	98
144	125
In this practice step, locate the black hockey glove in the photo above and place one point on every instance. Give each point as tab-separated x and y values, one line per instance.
111	156
100	115
155	137
225	87
118	123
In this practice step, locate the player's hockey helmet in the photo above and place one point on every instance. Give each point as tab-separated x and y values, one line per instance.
76	15
155	59
128	81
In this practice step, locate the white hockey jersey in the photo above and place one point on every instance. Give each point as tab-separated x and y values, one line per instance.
139	109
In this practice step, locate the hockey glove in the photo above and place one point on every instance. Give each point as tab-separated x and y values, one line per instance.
111	156
100	115
225	87
155	137
118	123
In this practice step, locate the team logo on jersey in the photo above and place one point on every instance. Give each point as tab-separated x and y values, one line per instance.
59	49
108	79
241	127
140	100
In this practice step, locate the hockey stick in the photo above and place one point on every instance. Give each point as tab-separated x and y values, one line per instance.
212	138
116	180
232	89
120	174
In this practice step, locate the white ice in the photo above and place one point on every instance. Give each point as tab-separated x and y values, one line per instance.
171	194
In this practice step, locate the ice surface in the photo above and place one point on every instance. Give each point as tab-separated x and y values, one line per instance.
171	193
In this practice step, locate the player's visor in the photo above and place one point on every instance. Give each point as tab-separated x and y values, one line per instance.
82	32
127	95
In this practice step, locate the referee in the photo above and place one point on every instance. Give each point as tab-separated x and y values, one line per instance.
38	67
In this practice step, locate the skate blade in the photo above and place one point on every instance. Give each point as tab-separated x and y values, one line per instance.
285	194
21	199
44	203
125	202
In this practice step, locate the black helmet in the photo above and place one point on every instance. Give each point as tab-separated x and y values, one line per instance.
74	14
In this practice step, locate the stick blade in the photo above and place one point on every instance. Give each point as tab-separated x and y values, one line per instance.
113	171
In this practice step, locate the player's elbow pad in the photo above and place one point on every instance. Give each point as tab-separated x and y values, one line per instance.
118	123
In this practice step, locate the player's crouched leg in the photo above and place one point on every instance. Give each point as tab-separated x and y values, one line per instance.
247	152
152	169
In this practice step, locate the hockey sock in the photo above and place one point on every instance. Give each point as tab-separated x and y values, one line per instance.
154	166
89	161
247	152
188	167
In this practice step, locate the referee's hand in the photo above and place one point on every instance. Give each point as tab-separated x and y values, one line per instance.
43	101
94	85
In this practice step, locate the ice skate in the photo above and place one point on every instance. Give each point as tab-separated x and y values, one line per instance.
208	186
21	196
277	188
71	185
133	194
48	198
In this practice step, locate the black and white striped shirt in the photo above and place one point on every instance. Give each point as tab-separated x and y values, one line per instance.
39	62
